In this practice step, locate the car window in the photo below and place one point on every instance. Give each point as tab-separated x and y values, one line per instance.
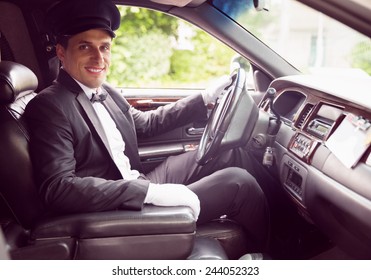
155	50
311	41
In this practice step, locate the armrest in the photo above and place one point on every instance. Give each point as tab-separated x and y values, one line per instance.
152	220
153	233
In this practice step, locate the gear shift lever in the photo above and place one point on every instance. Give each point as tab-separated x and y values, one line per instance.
274	127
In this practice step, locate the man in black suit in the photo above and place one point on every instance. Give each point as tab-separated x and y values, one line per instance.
85	153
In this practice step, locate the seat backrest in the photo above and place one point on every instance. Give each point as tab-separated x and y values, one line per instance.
17	188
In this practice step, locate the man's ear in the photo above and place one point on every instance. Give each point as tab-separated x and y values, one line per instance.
60	51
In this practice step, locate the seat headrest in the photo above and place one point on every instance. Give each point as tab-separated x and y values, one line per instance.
16	80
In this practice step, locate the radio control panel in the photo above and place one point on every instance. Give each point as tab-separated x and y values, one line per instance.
318	129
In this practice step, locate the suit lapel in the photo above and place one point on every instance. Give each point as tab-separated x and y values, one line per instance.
93	117
126	130
67	81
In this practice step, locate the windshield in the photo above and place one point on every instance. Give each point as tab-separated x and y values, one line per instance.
309	40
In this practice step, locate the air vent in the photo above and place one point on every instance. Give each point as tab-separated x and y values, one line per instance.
304	115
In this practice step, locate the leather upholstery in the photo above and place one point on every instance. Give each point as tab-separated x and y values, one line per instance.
16	80
17	187
229	234
48	249
207	248
168	220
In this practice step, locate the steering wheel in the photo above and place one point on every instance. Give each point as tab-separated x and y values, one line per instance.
231	121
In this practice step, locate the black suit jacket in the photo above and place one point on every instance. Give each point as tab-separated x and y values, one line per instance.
69	149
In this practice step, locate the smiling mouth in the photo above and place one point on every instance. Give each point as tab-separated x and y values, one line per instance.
95	70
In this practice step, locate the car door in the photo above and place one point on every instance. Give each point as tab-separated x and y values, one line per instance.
153	150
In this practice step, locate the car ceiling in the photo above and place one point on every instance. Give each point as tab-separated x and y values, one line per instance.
174	3
215	26
354	13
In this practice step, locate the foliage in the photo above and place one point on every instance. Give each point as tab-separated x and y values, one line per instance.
140	60
147	52
361	56
208	59
138	21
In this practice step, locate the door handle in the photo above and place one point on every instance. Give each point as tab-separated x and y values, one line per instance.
195	131
151	103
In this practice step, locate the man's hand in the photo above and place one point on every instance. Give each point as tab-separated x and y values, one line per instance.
173	195
212	92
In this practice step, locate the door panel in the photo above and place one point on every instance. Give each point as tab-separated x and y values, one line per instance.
153	150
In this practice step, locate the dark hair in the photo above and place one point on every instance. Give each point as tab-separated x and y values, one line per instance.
62	40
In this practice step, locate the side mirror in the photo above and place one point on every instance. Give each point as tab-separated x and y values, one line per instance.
238	61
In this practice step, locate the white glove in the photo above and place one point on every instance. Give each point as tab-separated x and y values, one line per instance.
173	195
212	92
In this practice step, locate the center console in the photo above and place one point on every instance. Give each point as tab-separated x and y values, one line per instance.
302	146
293	177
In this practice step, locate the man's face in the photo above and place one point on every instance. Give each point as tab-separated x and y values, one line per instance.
87	57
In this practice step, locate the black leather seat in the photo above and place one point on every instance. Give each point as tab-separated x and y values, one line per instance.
153	233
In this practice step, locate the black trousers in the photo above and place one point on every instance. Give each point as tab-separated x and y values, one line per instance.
224	187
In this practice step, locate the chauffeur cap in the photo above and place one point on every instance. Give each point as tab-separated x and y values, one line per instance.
70	17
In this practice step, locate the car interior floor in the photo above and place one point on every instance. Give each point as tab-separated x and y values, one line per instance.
292	235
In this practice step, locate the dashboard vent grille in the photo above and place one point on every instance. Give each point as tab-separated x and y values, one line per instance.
304	115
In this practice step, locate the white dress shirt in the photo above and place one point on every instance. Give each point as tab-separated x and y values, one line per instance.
116	143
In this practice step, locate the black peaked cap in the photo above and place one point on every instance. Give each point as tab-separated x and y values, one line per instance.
70	17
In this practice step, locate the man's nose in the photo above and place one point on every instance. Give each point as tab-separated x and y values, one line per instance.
97	54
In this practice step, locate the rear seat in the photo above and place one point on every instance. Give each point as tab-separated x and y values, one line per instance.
17	88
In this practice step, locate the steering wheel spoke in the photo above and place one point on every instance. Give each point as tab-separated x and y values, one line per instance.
227	122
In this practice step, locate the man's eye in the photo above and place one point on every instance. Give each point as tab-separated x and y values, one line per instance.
83	47
105	48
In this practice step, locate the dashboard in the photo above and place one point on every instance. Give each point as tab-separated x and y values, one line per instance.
323	154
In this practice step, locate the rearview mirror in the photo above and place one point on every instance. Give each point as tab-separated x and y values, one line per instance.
261	5
236	8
